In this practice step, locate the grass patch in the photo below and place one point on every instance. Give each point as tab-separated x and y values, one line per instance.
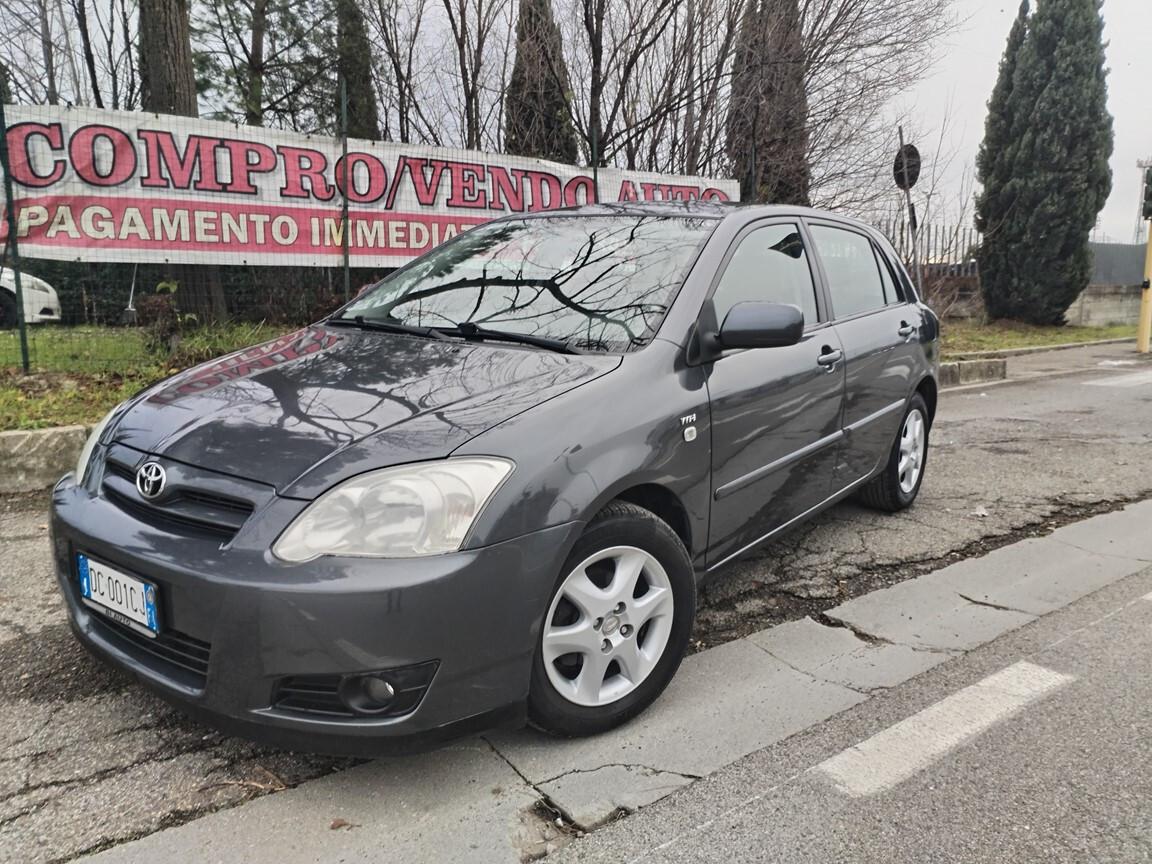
79	373
45	399
963	337
77	349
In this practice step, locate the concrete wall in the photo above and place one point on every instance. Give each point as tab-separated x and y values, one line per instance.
30	461
1101	305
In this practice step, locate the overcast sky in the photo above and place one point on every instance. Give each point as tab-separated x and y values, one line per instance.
966	72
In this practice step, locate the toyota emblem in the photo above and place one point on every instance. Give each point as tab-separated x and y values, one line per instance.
150	479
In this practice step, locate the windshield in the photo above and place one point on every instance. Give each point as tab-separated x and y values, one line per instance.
594	282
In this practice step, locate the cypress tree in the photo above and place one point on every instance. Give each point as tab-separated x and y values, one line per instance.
354	64
994	159
767	127
537	121
1057	177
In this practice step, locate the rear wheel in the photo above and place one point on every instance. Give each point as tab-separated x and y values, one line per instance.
617	626
897	486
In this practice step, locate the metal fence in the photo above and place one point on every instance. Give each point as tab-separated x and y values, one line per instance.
117	317
114	317
1118	263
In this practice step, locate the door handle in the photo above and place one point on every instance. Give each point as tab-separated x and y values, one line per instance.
830	357
906	329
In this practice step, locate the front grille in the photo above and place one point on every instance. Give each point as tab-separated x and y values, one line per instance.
312	694
177	655
174	523
183	509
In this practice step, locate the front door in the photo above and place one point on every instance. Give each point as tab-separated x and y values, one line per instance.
876	325
775	411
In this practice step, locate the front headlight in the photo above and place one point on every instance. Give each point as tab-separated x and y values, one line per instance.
90	444
401	512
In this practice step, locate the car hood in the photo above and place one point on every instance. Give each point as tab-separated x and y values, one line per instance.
307	410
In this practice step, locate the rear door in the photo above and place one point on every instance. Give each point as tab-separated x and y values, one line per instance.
775	411
876	324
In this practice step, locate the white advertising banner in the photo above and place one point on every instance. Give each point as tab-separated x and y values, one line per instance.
118	186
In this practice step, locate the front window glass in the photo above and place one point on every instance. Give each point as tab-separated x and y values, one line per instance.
769	265
595	282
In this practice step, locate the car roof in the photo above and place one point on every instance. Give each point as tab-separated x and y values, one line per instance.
699	209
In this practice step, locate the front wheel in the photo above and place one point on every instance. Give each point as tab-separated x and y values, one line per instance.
897	486
617	626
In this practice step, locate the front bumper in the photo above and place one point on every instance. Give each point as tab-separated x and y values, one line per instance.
249	622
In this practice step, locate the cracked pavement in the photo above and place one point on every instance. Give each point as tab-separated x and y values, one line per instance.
1006	463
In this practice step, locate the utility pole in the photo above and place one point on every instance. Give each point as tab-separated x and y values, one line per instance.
10	208
345	225
1143	165
1144	331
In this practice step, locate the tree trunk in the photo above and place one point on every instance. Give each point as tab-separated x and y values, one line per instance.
168	81
169	87
254	97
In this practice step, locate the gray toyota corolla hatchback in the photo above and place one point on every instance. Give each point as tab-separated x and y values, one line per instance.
487	489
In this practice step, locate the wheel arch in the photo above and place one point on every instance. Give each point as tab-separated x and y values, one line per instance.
661	501
929	391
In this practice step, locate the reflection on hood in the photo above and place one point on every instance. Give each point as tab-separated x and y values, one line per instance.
275	411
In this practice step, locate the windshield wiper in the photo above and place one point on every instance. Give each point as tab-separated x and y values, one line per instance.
468	330
386	325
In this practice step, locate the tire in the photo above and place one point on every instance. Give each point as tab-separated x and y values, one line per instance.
7	310
887	491
648	637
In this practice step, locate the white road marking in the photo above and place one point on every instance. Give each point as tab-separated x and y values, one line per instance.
1136	379
894	755
1148	597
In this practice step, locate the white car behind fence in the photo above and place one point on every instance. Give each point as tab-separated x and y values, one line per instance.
41	305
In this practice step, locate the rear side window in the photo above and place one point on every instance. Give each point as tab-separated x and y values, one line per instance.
854	279
891	292
769	266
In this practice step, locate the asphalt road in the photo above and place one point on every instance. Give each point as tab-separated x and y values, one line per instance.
1036	747
1006	462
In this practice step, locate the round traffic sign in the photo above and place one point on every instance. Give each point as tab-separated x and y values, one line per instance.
906	169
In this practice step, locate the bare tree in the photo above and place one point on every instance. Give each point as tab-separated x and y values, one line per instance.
399	27
473	25
266	62
80	10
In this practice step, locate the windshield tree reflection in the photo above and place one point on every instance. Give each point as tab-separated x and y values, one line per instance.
595	282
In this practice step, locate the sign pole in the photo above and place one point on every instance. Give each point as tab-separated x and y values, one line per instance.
1144	332
10	210
911	216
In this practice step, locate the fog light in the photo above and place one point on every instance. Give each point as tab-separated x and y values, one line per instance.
367	694
377	689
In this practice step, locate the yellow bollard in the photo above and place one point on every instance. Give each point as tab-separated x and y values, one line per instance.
1144	332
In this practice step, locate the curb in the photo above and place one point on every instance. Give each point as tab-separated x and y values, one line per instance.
1036	349
959	372
31	461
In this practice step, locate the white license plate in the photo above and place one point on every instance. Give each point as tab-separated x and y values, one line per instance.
123	598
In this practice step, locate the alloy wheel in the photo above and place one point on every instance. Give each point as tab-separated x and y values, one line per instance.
912	441
608	626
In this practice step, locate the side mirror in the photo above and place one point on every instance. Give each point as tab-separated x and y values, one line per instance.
761	325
